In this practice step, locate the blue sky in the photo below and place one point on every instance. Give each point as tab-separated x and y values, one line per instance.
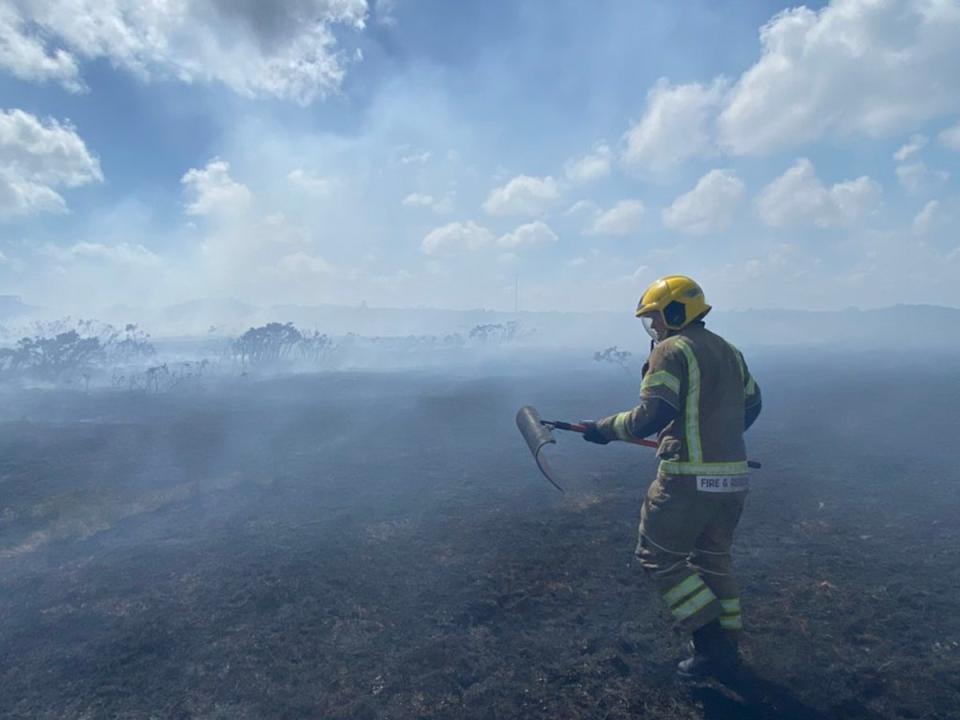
427	152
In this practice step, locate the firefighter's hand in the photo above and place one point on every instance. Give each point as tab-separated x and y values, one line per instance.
593	434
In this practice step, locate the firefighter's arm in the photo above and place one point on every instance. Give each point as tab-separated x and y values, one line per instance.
752	409
752	399
649	417
659	398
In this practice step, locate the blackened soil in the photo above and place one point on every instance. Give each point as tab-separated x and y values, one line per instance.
381	546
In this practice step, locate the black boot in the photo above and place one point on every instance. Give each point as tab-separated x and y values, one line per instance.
713	654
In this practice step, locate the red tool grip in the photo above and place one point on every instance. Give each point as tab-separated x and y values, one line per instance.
579	428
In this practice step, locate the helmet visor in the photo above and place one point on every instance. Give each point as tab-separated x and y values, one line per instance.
647	321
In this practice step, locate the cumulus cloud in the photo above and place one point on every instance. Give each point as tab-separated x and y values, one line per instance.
27	56
582	206
915	144
281	49
590	167
441	206
951	137
708	207
421	157
535	233
456	236
926	219
211	191
624	218
523	195
676	126
853	67
419	200
798	197
916	177
37	156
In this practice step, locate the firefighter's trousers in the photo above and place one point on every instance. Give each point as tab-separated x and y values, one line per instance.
685	539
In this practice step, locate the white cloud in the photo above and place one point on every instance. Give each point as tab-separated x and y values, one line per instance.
915	144
708	207
951	137
854	67
37	156
385	12
211	191
594	166
925	220
27	57
798	198
416	158
535	233
280	49
582	206
675	126
419	200
124	254
441	206
624	218
309	182
456	236
577	261
916	177
523	195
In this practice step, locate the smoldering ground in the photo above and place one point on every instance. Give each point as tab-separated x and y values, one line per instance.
379	544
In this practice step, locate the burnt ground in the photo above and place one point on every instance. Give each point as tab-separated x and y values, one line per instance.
380	546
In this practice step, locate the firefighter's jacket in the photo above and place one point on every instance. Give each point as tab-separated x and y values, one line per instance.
706	382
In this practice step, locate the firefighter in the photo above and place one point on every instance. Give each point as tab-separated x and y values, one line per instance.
699	397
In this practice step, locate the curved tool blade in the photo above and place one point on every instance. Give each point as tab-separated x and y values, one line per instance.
537	436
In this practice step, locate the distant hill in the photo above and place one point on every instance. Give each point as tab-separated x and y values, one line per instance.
891	327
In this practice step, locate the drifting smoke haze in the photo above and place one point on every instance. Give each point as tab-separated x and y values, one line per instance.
274	282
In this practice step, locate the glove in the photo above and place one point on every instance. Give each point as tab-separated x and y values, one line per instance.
593	434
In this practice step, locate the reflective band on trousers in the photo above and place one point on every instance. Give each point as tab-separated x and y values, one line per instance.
731	619
692	410
694	605
731	622
730	606
660	377
682	589
677	467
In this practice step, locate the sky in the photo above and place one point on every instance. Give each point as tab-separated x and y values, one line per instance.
429	153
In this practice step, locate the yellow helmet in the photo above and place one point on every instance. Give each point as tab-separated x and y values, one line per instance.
678	298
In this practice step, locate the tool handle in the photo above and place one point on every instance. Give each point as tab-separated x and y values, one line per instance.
578	428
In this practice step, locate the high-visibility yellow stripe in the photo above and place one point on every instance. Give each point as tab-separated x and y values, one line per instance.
685	587
743	367
694	605
731	622
692	411
661	378
731	606
677	467
749	385
620	425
